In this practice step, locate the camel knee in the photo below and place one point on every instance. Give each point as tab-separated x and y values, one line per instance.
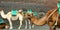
20	22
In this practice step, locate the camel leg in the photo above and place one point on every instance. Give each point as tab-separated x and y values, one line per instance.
53	28
20	24
32	25
10	23
29	24
21	20
26	24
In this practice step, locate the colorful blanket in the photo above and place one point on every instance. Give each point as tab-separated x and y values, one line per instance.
14	12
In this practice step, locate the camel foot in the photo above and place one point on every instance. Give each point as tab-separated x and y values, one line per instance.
29	27
19	28
25	27
11	28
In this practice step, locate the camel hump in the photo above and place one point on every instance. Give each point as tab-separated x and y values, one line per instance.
49	12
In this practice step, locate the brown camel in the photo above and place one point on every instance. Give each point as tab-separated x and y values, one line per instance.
51	18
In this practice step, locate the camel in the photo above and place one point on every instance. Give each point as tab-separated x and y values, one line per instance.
50	15
9	16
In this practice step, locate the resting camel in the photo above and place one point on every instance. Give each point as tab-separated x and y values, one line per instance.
51	18
4	26
9	17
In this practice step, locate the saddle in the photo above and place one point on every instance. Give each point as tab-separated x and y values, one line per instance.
30	11
58	7
35	13
14	12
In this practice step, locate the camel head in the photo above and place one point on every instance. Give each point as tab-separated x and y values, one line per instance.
29	15
20	11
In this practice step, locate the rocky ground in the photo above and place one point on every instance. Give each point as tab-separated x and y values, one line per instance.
8	6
